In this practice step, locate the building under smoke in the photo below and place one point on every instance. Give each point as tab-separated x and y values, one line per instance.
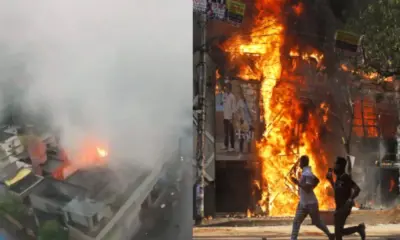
92	203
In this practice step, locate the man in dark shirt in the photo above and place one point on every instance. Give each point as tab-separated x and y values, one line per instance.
346	190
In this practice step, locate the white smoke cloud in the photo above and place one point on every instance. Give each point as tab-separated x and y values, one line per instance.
119	70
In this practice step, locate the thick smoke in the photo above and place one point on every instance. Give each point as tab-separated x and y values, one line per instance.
103	69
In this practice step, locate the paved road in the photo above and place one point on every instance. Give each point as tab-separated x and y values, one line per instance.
386	232
177	223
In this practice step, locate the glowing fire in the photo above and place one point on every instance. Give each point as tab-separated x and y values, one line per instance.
218	89
88	156
365	118
291	129
217	74
318	57
392	185
298	8
101	152
371	76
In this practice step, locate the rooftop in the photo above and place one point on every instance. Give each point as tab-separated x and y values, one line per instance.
84	207
9	171
105	184
25	184
6	132
112	187
59	192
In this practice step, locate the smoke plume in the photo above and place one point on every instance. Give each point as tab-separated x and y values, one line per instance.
101	69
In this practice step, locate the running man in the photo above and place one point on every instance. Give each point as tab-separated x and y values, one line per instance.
308	204
346	190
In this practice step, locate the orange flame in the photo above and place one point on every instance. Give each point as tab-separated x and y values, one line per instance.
217	74
285	137
307	56
365	118
370	76
298	8
392	185
90	155
249	214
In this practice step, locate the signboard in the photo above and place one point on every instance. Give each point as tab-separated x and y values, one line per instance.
231	11
347	41
200	6
236	11
215	9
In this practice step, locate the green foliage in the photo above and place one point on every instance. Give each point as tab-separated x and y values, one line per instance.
12	206
51	230
380	23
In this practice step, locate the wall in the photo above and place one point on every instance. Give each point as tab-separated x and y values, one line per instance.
79	219
42	204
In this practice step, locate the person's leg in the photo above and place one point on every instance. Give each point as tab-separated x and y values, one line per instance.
241	141
340	221
226	133
301	214
232	134
313	209
351	230
249	139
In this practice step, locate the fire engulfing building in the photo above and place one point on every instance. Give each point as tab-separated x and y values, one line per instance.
95	202
98	203
307	108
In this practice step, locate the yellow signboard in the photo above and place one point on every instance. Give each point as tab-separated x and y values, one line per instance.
347	40
20	175
236	11
348	37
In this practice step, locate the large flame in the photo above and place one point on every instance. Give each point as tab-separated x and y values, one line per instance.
91	154
291	128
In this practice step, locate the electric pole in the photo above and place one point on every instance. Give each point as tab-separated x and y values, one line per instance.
201	121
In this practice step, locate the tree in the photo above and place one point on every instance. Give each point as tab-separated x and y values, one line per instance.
379	22
10	205
12	211
51	230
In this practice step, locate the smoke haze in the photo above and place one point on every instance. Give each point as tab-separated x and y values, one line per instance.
103	69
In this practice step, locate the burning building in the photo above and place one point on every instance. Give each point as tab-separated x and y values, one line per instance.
291	109
283	45
92	198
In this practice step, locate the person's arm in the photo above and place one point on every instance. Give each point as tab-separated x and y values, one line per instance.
329	177
315	182
303	184
355	190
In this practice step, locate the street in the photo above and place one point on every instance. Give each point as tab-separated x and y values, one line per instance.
389	231
176	222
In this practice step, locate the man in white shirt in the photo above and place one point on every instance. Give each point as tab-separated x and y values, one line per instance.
308	204
229	103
